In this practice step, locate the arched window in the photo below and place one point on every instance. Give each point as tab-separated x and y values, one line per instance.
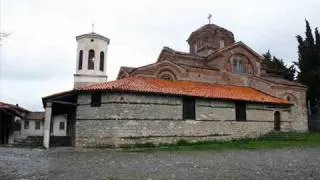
221	43
198	43
193	47
238	65
206	41
167	75
101	61
80	59
288	98
91	59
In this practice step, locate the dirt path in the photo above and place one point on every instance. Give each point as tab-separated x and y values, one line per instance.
71	163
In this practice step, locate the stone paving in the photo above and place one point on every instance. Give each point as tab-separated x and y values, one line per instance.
72	163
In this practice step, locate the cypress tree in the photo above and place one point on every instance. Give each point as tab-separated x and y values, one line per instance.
276	66
316	32
309	65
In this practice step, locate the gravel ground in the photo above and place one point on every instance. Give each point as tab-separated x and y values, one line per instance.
72	163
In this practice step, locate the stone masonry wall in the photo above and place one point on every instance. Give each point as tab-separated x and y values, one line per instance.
131	118
298	116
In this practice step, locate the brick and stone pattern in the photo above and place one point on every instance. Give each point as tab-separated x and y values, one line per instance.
125	118
297	96
217	67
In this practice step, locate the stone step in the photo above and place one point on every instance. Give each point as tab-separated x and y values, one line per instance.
37	141
281	136
60	141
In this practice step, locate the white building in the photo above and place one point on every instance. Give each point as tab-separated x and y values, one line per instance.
19	125
32	125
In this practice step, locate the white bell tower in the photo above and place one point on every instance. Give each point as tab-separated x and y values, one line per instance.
91	64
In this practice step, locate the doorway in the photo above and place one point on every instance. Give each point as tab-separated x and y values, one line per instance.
277	121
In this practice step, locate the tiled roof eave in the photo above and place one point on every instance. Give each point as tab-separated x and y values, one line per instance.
185	95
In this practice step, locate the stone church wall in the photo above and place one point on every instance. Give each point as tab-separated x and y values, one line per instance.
298	116
130	118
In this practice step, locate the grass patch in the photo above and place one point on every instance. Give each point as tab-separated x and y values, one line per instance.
268	141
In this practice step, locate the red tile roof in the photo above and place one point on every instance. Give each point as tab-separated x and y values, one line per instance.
12	109
11	106
185	88
35	116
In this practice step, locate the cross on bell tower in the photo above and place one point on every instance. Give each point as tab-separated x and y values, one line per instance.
92	27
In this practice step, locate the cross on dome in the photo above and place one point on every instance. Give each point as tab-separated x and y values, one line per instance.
209	18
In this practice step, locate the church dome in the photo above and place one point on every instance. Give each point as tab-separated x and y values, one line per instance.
208	39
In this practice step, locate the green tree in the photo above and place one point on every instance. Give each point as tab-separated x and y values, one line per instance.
276	66
309	65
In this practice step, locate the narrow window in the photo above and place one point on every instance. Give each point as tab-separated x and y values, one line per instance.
189	108
91	59
235	65
38	124
241	111
26	124
80	59
101	61
240	66
61	126
198	43
206	40
95	99
221	44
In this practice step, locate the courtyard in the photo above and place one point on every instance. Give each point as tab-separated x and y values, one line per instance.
89	163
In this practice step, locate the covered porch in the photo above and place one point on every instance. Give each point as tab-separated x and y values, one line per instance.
10	122
60	117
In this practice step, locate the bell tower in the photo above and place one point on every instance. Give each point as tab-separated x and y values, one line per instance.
91	64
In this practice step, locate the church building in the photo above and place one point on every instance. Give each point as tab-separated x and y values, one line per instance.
219	90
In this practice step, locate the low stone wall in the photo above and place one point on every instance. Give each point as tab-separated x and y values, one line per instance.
129	118
118	132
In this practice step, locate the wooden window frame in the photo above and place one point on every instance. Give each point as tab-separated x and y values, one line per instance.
26	124
189	108
96	99
62	125
37	125
241	111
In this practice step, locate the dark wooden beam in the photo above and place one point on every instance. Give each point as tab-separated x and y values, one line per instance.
64	102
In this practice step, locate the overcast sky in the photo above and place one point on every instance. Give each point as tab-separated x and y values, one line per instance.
38	59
